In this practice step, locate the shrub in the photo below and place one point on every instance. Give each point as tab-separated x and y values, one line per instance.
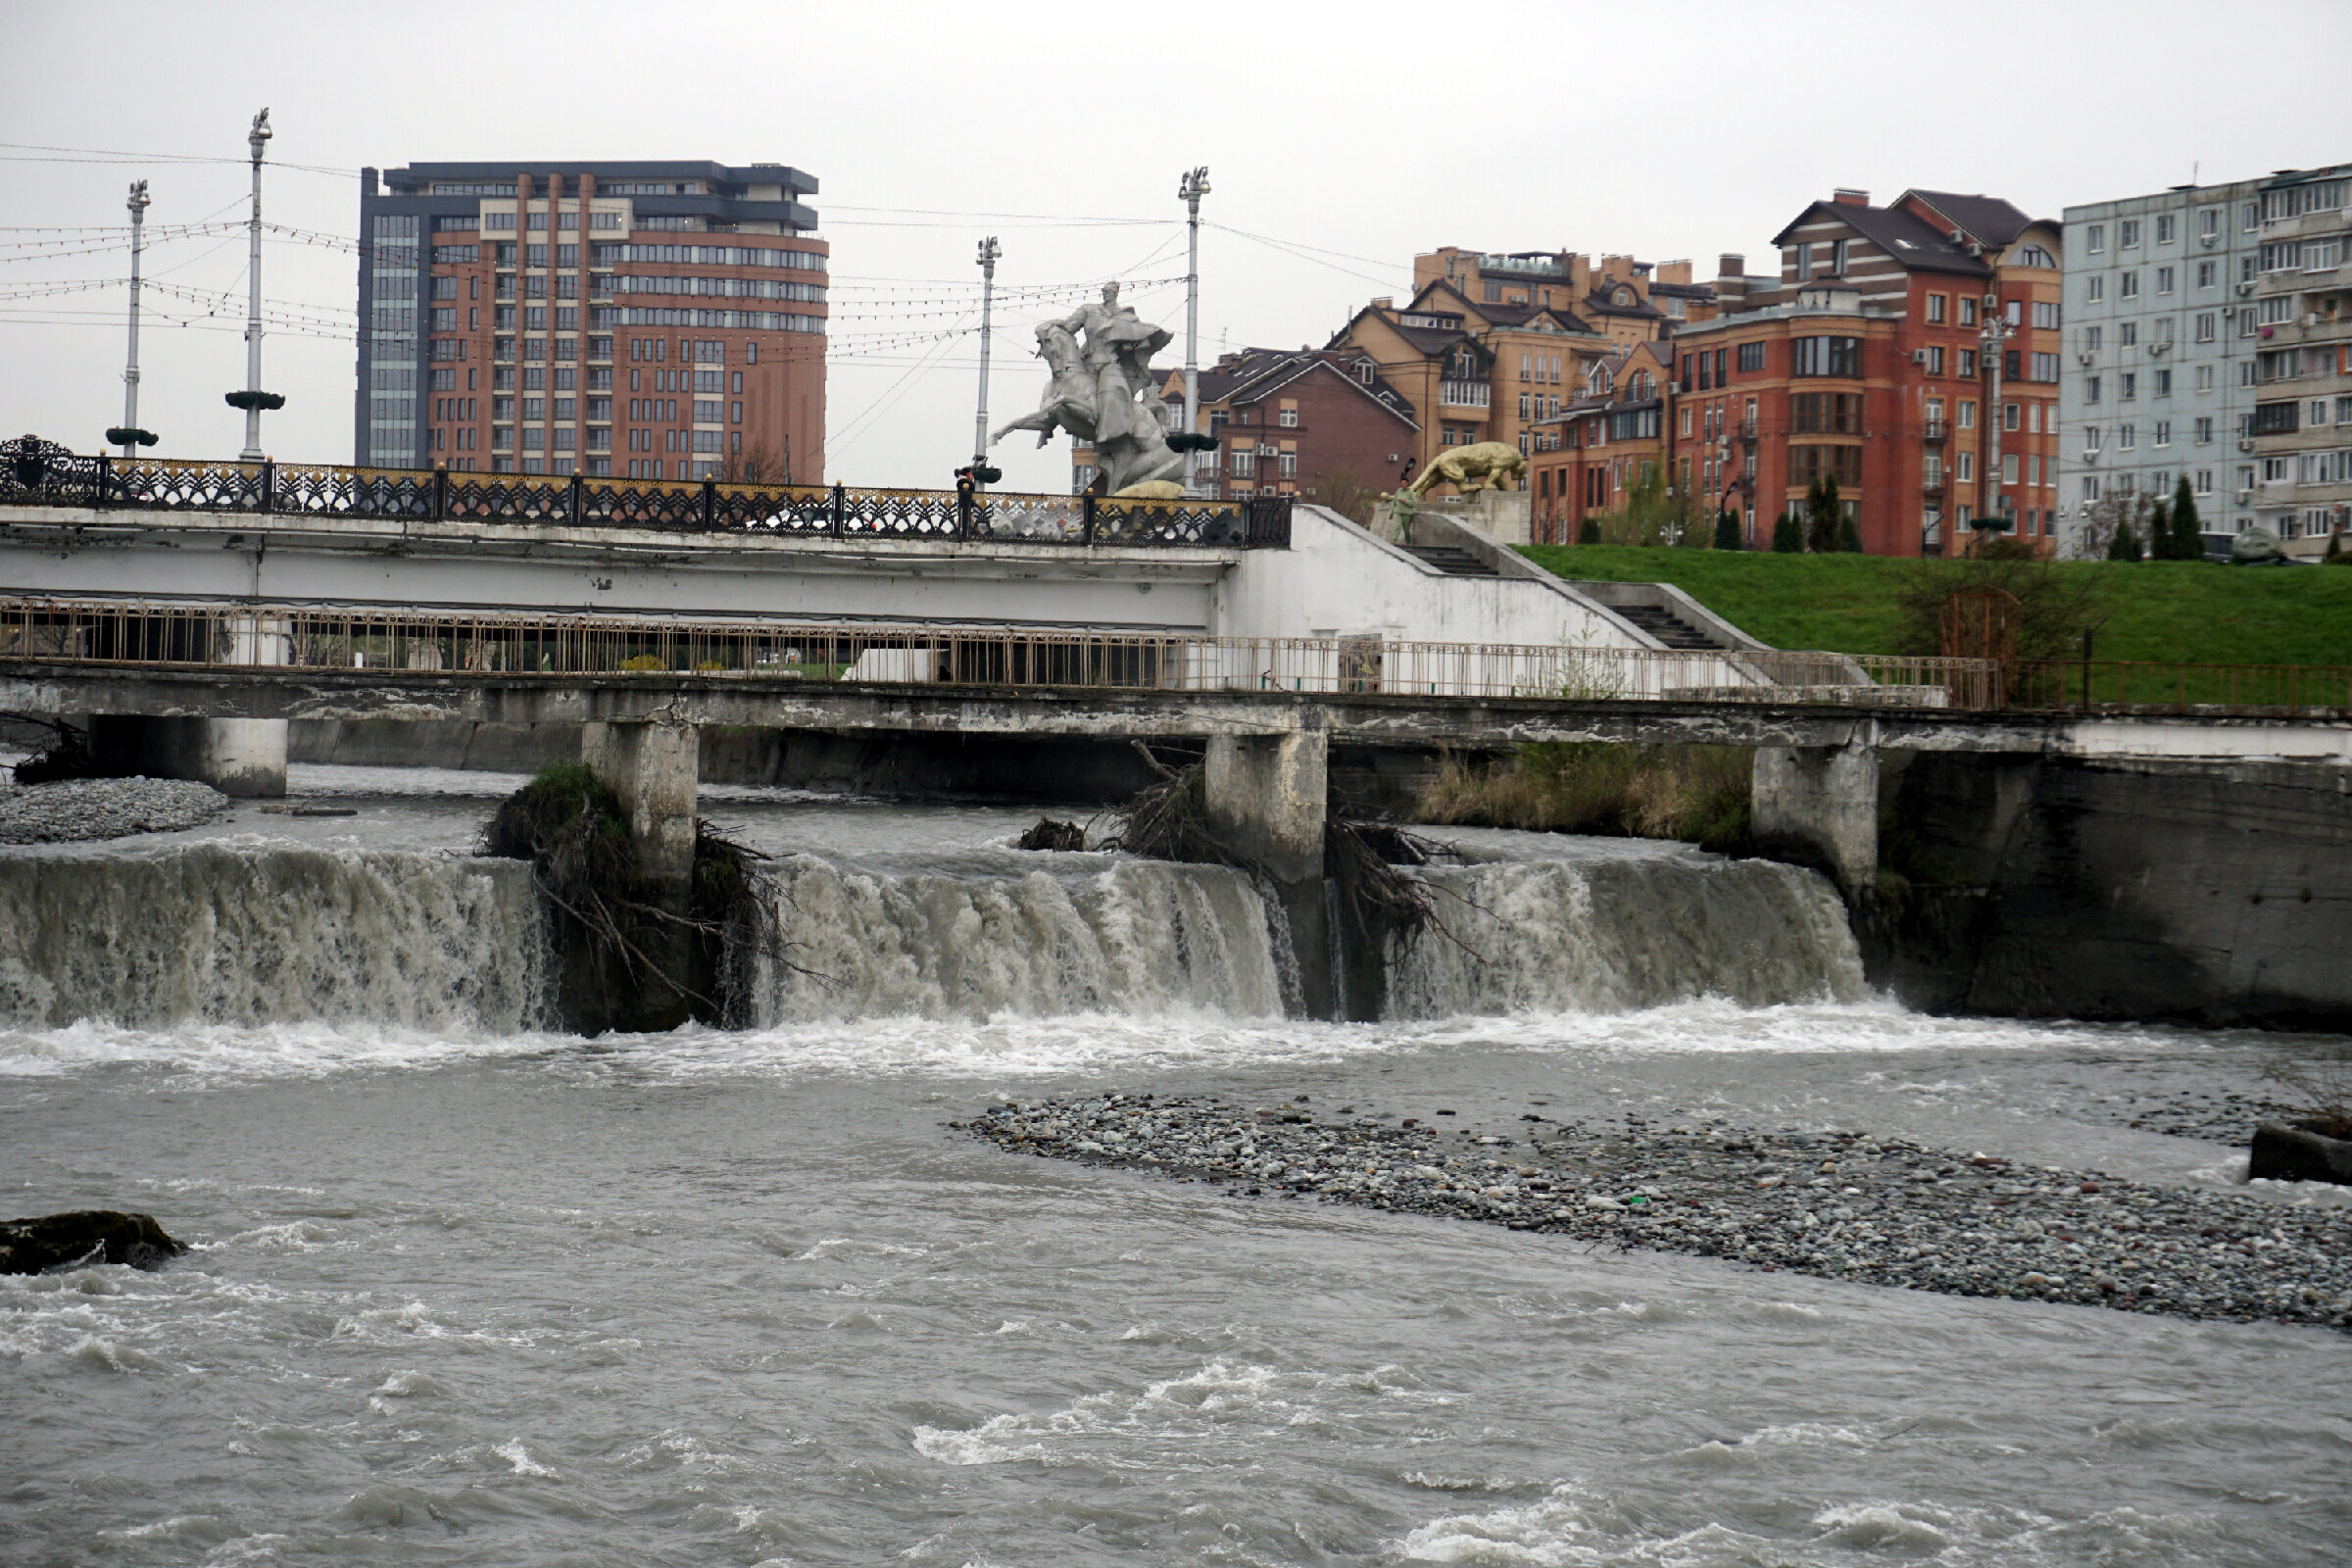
1587	532
1788	535
1726	531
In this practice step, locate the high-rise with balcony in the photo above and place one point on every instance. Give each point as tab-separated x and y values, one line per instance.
2158	380
2300	313
651	320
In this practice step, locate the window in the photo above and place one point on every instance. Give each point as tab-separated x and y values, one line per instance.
1935	359
1752	356
2045	366
2009	416
1826	356
1968	310
1968	364
2164	228
2126	387
2130	233
2010	468
2046	314
2274	419
2163	435
1968	413
1287	465
2204	327
1803	261
2204	378
2277	311
2204	484
2204	430
1936	304
2164	280
2126	334
1288	418
2033	419
2094	238
2127	437
2208	274
2164	383
2093	438
2090	487
1242	462
1964	468
2090	389
2094	289
2128	287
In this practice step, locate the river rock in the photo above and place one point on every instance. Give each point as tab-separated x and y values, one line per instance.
83	1237
2284	1154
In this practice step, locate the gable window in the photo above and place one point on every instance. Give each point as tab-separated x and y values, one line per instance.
1803	253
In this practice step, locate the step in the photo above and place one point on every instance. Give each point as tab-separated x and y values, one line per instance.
1452	561
1667	627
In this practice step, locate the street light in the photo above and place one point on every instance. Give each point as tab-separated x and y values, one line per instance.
253	400
989	252
128	436
1190	189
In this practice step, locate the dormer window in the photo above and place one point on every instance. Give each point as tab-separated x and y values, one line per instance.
1364	372
1624	296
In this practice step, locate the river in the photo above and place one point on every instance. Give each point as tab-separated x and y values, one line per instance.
468	1291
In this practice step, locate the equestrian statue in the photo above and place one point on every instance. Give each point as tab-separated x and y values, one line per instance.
1100	391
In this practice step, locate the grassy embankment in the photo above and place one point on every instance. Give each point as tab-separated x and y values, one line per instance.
2162	612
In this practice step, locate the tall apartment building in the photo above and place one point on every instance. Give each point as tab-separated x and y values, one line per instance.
657	321
2161	360
1910	351
2300	314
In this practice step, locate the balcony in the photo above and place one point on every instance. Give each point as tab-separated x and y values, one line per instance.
1746	431
1932	482
1934	433
1463	394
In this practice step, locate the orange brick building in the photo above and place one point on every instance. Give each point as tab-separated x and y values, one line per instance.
1909	351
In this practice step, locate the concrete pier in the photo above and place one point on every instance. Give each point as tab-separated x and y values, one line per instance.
244	758
1267	796
652	766
1819	805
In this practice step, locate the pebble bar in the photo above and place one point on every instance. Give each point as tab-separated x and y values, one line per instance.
1838	1205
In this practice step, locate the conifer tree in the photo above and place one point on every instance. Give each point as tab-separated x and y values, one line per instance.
1726	531
1820	515
2160	533
2188	537
1788	534
2125	543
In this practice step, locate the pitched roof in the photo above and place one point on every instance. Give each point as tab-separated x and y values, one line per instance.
1252	374
1987	219
1905	236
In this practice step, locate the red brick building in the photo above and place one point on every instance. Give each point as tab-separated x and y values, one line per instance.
1590	456
658	320
1877	361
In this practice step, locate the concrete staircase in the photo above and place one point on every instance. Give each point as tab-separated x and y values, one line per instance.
1452	560
1669	628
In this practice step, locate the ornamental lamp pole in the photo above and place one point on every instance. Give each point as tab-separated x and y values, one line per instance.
989	252
253	400
130	437
1192	187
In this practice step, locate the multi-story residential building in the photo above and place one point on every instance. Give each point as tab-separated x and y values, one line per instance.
1472	372
1591	456
1628	300
1909	351
658	320
2163	354
2300	314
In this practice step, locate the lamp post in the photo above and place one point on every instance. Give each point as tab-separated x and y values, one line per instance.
989	250
1192	187
1989	343
253	400
130	437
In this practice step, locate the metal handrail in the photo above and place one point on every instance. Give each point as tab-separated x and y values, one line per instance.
158	634
2137	686
36	472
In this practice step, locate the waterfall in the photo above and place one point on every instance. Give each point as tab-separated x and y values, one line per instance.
1138	936
1615	933
246	933
219	933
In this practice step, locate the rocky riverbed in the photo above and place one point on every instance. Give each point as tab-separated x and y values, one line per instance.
1838	1205
104	809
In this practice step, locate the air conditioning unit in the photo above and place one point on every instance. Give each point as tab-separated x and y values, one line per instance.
2086	359
1919	356
2245	497
2244	289
1268	450
2311	317
2246	445
2158	347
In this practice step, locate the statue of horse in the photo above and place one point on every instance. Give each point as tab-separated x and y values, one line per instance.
1069	401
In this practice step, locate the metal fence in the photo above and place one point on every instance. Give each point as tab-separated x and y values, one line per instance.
2122	686
36	472
507	645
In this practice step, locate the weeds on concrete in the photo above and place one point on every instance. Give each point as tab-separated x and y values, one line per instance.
1698	794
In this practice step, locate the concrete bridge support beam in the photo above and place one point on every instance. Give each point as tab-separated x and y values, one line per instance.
1819	805
652	768
245	757
1266	795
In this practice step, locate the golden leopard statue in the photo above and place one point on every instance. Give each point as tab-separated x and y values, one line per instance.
1483	465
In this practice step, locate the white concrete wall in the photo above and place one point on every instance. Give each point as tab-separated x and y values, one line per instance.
1338	580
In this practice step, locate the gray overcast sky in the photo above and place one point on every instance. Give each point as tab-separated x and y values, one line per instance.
1373	131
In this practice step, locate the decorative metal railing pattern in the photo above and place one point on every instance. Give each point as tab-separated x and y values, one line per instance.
302	638
38	473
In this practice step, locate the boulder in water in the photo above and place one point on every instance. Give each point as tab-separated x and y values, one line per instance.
52	1241
2284	1154
1052	835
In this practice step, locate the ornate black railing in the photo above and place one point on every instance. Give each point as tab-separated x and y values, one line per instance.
37	473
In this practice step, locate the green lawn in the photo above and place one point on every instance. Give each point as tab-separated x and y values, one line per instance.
2163	610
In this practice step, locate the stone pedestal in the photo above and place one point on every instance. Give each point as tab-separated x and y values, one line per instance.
1502	516
1819	805
653	769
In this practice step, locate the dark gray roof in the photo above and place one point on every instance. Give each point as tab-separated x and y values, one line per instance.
1907	238
737	176
1987	219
